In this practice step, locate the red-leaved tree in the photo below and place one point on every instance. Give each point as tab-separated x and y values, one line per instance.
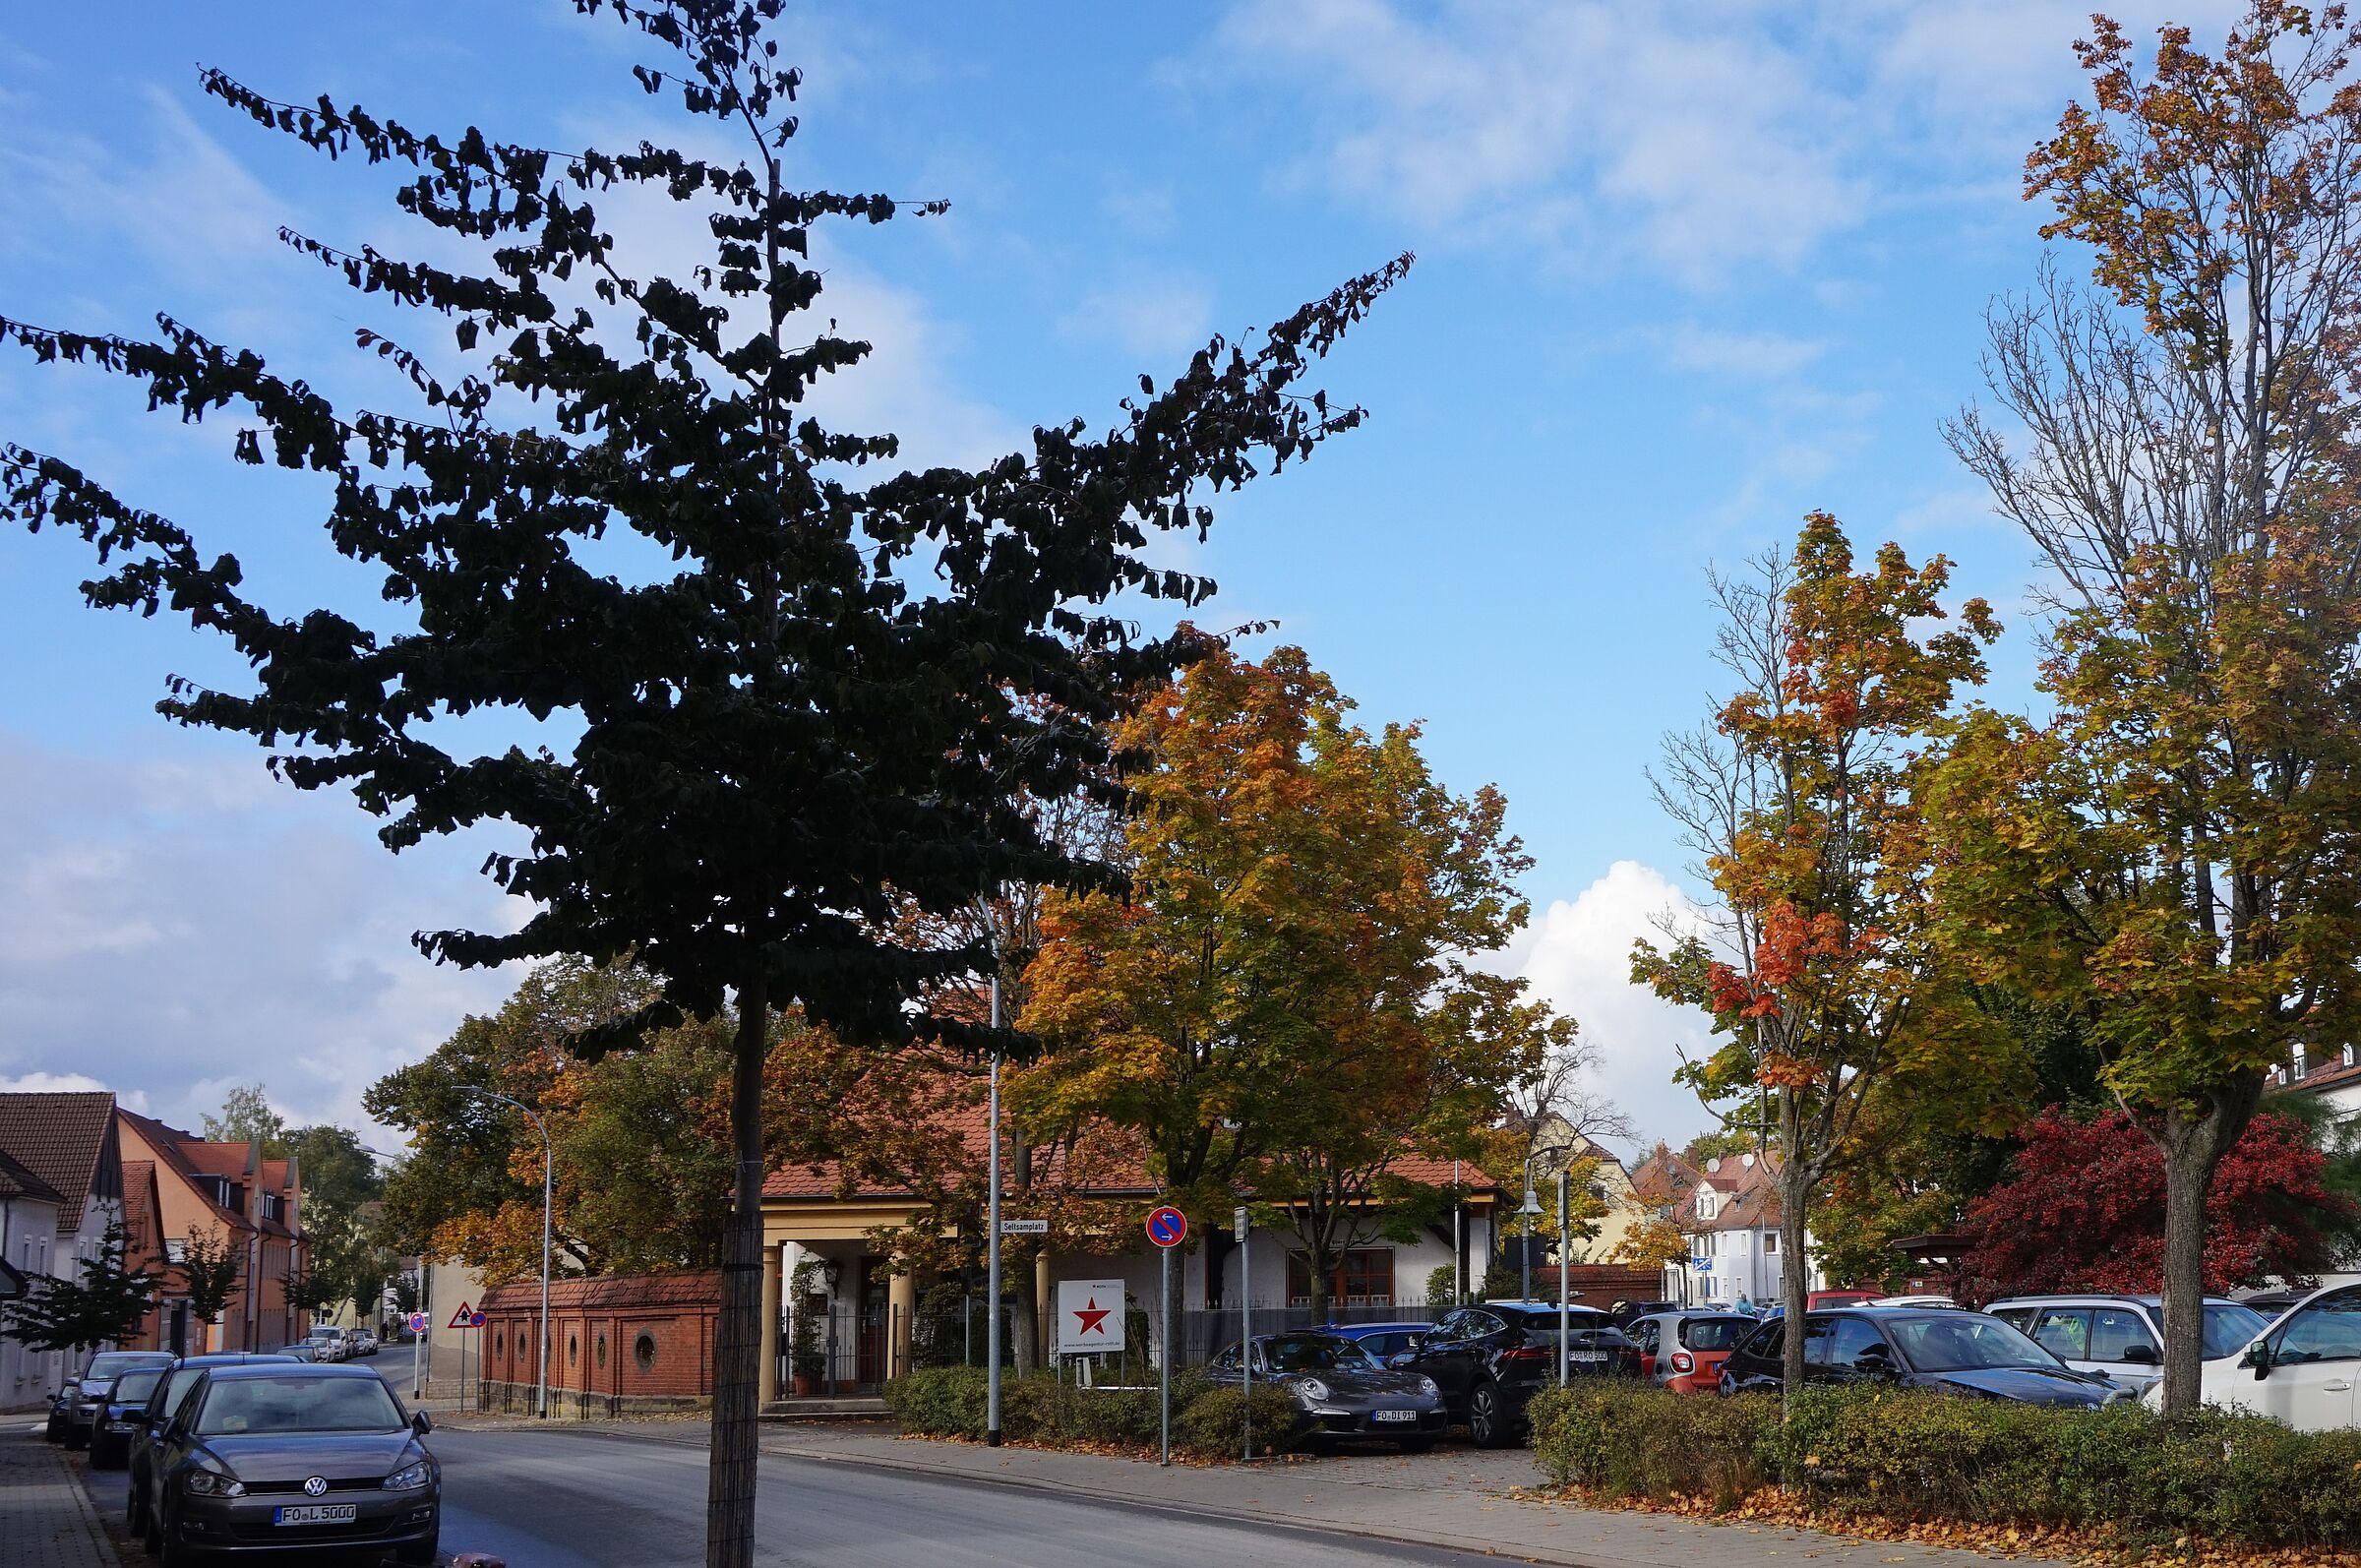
2084	1210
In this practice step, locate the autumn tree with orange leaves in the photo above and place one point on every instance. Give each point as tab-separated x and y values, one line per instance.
1283	1002
1824	983
2174	852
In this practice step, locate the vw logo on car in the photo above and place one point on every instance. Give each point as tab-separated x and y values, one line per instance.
314	1486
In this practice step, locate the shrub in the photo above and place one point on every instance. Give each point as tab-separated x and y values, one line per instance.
1631	1440
1214	1424
1906	1454
950	1402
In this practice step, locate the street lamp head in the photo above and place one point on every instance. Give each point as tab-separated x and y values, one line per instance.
1530	1205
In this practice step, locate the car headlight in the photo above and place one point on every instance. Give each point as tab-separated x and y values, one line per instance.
409	1477
212	1484
1313	1389
1427	1387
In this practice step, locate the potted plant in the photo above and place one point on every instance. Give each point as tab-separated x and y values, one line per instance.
806	1365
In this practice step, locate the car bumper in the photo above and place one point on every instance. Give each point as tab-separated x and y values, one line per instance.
246	1523
1365	1423
1704	1380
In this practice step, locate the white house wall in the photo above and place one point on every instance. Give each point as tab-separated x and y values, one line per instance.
33	1249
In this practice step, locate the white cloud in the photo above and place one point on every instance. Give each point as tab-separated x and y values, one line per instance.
169	945
1578	958
1749	356
1157	320
68	1083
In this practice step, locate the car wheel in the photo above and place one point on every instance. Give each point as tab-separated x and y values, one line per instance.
151	1540
132	1519
1488	1424
421	1553
55	1431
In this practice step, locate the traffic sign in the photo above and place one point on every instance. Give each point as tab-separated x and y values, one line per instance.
1238	1224
417	1322
1168	1227
1702	1265
1024	1227
464	1317
475	1320
1090	1316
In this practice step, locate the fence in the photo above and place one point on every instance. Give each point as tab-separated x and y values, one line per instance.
852	1344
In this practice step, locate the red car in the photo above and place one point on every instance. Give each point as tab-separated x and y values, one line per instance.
1824	1299
1685	1350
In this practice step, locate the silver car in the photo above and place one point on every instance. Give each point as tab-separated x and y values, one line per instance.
2121	1337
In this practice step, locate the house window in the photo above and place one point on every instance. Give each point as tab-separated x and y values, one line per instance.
644	1351
2299	1063
2348	1056
1706	1205
1770	1243
1364	1277
574	1349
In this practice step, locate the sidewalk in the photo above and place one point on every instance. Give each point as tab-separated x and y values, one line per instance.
1457	1497
46	1521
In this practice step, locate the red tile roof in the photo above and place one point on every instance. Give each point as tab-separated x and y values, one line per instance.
171	1151
697	1288
17	1182
61	1138
1664	1178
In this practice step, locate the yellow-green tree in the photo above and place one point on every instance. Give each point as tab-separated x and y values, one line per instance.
2175	854
1828	986
1283	1001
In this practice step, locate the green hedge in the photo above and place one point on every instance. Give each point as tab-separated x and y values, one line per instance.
1908	1455
1207	1422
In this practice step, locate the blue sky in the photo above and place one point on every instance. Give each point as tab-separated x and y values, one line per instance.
1686	271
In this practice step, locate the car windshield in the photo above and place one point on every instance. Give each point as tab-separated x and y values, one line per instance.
134	1386
1316	1352
296	1405
1966	1341
2230	1328
1715	1333
104	1366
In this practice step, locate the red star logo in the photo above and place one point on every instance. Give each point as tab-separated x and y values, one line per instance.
1092	1317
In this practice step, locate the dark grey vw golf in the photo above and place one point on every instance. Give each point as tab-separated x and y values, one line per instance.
278	1456
1341	1390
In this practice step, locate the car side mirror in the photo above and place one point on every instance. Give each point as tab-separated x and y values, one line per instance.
2258	1356
421	1422
1400	1358
2140	1354
1875	1361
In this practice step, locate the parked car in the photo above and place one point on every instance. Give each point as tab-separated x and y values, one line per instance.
119	1417
175	1386
1340	1389
1625	1313
1384	1341
1488	1360
2275	1302
1913	1300
74	1410
306	1351
267	1458
2121	1337
1943	1349
1684	1350
1817	1299
2300	1369
330	1342
365	1341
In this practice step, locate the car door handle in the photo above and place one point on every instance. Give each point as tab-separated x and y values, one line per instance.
2336	1387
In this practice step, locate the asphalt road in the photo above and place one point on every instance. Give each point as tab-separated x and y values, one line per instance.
581	1499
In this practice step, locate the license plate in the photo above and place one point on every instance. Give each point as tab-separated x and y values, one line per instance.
1589	1358
316	1514
1394	1416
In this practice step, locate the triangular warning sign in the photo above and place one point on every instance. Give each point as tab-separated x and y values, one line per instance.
463	1318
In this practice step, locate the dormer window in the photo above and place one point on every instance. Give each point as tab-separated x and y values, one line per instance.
1707	1205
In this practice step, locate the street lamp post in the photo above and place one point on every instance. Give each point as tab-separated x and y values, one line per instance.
543	1397
992	1240
1525	1211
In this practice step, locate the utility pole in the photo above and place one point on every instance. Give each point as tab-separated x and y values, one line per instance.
1563	1296
992	1240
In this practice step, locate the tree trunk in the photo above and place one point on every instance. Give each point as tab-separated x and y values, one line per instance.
737	1337
1794	1274
2193	1147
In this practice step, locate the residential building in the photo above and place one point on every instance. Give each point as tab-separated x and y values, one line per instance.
2333	1078
835	1219
232	1192
67	1164
1731	1219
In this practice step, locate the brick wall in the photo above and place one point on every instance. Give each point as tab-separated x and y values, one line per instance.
617	1342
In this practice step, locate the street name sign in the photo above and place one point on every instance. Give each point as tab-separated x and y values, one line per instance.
1024	1227
1090	1316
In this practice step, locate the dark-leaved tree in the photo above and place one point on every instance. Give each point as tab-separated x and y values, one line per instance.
823	709
102	1306
209	1268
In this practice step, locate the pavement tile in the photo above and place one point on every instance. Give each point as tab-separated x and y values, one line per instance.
46	1520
